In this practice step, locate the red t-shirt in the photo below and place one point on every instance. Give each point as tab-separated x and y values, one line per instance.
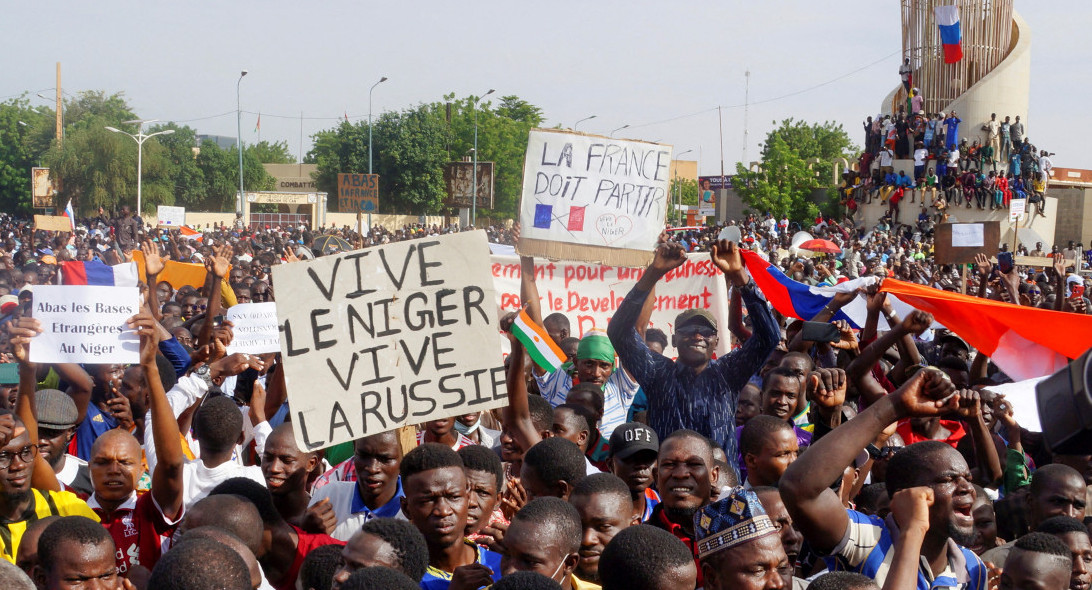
954	427
139	530
307	542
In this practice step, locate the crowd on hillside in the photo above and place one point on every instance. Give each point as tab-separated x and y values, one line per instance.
876	456
956	163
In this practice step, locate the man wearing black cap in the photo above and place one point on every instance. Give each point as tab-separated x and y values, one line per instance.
57	417
694	392
633	451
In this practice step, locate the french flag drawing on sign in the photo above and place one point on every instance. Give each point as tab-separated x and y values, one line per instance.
950	35
95	272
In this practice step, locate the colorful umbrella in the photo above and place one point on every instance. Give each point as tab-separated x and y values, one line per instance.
820	246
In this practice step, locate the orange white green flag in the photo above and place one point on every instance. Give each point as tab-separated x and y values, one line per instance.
538	343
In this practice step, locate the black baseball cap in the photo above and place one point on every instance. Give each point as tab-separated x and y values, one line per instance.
631	438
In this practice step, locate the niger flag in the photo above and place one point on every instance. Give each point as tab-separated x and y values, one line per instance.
1025	342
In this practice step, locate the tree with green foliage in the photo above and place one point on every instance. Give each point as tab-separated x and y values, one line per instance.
220	170
796	160
412	148
25	134
781	186
270	153
684	190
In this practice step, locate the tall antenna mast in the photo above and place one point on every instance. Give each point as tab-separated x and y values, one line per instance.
746	111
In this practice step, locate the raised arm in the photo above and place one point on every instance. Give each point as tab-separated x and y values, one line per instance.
517	414
167	475
21	333
529	296
217	266
153	265
910	508
805	487
914	323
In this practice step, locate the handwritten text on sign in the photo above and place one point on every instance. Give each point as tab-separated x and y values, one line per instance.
593	190
377	338
254	326
358	193
589	294
85	324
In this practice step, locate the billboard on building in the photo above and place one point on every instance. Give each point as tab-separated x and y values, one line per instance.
460	188
41	188
708	186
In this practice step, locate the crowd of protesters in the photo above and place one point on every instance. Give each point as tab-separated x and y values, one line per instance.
879	459
956	163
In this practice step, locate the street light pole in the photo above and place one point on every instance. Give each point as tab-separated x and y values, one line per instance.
140	138
239	140
619	129
678	189
381	80
577	124
474	182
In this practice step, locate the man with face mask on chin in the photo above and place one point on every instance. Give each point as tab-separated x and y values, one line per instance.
544	538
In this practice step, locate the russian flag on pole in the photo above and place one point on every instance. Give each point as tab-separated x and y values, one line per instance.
950	35
70	214
95	272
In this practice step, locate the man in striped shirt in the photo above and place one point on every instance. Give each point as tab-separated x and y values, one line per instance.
865	544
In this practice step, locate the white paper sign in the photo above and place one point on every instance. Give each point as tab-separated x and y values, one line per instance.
589	294
254	327
968	235
582	189
376	338
1016	209
171	216
85	324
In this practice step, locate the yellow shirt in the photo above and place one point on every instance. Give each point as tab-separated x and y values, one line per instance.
45	503
579	584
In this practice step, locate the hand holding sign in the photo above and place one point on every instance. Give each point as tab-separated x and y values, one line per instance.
21	333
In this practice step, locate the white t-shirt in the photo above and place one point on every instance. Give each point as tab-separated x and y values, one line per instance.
953	157
342	495
71	469
919	157
198	480
885	157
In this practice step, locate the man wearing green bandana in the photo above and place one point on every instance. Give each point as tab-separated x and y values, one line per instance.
595	364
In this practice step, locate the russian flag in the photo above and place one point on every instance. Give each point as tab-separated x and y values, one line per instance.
950	35
70	214
803	302
95	272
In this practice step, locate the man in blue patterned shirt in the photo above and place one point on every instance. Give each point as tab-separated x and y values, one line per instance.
695	391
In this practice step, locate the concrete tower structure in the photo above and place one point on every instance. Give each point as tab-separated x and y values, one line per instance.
994	75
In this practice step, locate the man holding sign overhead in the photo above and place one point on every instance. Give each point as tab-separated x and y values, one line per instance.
696	391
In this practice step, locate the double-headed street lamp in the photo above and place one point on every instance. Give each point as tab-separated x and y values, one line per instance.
239	140
381	80
140	138
474	193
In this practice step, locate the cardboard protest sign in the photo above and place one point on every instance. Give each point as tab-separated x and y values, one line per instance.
373	339
358	193
255	328
958	243
85	324
589	294
169	216
593	199
52	223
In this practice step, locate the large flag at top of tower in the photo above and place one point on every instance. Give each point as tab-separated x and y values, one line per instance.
951	37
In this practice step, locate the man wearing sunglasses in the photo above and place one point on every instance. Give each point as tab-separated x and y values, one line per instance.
694	391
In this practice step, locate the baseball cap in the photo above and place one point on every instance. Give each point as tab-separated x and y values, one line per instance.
631	438
55	410
952	337
9	373
7	303
691	316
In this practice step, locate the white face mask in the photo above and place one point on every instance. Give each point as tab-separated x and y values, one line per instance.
560	566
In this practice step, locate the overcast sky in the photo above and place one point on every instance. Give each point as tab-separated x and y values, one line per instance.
660	67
